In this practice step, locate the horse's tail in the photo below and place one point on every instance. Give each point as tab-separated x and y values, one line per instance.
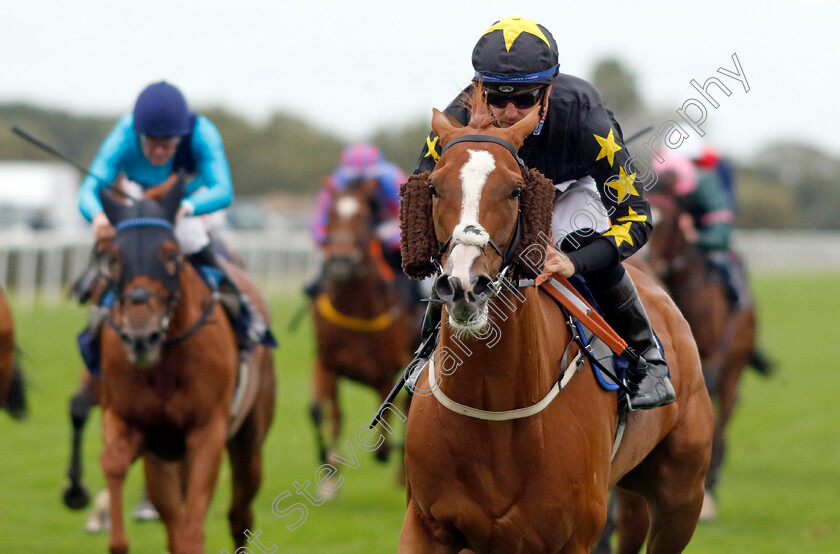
761	362
15	402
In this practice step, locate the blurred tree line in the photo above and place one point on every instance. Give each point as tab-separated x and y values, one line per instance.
786	185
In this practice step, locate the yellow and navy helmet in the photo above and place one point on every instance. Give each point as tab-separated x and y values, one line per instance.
515	51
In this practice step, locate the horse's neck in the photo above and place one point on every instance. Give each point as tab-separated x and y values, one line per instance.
192	294
691	272
365	296
514	365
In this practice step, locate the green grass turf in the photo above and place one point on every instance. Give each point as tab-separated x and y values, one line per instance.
780	488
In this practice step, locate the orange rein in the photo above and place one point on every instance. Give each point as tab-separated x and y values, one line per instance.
593	320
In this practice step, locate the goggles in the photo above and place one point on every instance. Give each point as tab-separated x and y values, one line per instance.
167	142
520	99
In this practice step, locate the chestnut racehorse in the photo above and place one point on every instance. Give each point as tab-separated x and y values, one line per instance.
725	339
364	327
490	466
12	397
169	376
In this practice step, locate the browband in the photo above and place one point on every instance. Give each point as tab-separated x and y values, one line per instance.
486	138
144	222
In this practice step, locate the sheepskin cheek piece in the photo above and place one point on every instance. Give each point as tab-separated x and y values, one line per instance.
419	247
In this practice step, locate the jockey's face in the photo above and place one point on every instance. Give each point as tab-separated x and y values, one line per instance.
510	107
159	150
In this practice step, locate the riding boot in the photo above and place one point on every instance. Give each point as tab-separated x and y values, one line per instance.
429	334
247	321
648	382
732	278
85	284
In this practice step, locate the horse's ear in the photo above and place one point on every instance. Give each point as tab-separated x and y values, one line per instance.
171	201
159	191
519	131
419	247
442	126
114	209
535	206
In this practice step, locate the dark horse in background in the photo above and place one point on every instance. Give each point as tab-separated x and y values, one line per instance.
726	338
12	396
172	388
364	327
490	467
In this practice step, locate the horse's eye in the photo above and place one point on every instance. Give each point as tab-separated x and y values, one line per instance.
171	263
516	193
432	190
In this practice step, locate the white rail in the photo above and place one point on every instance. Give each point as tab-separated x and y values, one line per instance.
41	266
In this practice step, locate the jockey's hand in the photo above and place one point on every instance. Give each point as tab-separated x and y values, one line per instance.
182	211
557	264
102	228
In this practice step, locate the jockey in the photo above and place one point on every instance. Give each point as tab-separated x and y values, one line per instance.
706	158
362	162
162	137
600	217
702	194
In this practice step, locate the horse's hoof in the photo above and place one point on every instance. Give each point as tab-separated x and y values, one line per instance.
709	510
382	453
329	488
76	497
100	518
145	511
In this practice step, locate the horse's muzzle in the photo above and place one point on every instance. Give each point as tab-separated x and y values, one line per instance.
465	303
340	268
142	343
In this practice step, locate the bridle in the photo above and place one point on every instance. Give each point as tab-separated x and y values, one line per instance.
507	255
142	295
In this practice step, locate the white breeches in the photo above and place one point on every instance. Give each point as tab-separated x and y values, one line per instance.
191	234
577	207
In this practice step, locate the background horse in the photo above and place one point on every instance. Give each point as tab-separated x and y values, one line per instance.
169	378
90	287
507	473
364	327
12	396
725	339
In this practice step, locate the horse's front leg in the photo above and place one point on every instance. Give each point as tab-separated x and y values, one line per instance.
122	442
205	447
417	538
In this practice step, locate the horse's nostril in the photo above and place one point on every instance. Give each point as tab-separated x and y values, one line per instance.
482	287
445	287
155	337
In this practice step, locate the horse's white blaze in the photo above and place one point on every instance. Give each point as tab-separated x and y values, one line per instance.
468	243
461	260
347	207
473	178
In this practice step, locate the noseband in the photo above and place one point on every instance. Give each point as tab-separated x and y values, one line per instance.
507	255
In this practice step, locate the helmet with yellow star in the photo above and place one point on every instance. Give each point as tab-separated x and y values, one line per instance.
515	51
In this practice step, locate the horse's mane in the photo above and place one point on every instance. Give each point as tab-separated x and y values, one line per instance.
473	100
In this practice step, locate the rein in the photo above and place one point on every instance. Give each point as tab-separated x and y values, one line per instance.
206	313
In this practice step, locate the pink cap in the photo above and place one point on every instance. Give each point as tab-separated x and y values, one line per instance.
682	167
